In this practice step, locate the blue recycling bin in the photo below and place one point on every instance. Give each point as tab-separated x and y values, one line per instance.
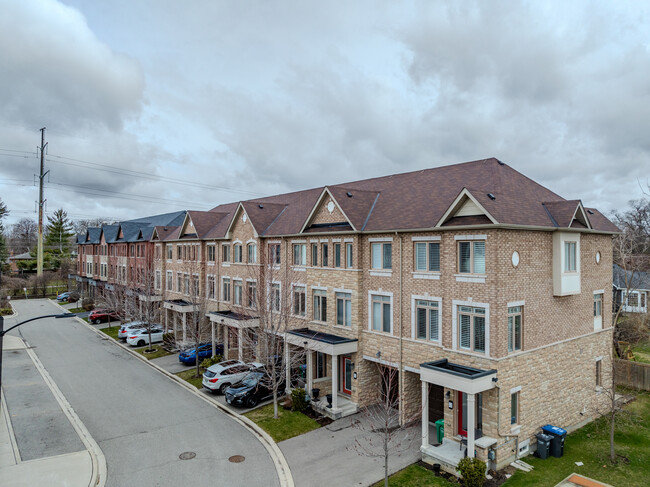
558	436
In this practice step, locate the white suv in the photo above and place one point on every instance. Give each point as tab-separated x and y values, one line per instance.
127	328
224	374
140	337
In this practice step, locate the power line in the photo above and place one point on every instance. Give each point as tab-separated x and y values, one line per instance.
130	172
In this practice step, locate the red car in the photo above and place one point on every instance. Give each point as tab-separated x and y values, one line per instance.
102	315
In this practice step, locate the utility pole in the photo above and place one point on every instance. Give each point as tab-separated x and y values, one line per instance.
41	201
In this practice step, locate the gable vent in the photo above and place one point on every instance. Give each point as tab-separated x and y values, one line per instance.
491	196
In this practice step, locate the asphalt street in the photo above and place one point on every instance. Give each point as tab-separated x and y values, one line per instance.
142	421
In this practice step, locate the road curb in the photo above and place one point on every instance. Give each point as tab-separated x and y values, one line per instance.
99	469
281	465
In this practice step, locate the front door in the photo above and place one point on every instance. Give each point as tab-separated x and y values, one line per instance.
462	414
346	372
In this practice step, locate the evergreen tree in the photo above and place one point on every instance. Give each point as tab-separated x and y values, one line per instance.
59	231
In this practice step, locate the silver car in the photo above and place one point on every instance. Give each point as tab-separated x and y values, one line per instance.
224	374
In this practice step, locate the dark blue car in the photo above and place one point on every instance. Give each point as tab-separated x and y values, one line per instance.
205	351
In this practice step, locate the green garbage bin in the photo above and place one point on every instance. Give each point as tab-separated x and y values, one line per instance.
440	429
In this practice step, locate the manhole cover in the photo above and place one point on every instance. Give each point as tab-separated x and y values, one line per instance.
236	459
188	455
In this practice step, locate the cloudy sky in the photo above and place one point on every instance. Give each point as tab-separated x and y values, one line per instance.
156	105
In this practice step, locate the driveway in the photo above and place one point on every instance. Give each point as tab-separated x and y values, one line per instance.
142	421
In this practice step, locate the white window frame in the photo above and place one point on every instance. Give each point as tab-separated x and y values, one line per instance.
414	318
345	297
319	295
370	308
472	253
224	298
374	246
169	283
238	283
251	250
211	286
512	312
427	264
303	287
302	257
454	325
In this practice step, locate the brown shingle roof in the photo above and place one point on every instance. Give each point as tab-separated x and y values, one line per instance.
204	221
418	200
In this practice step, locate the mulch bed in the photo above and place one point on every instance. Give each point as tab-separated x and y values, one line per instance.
498	478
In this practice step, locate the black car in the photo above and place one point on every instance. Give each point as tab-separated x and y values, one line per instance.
252	389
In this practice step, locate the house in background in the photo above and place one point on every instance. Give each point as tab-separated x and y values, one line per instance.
483	290
631	290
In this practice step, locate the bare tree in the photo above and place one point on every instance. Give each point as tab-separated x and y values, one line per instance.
382	435
117	298
23	237
269	298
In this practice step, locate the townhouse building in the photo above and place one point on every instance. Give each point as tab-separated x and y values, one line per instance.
482	289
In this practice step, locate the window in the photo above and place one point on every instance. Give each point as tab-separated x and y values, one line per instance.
314	255
251	294
179	282
427	256
320	365
427	325
598	305
179	252
599	373
471	257
252	253
299	300
237	292
225	289
300	254
348	256
344	309
633	299
320	305
274	254
471	330
158	279
569	256
238	252
211	253
514	408
337	255
325	254
381	313
275	297
170	281
225	253
211	287
382	255
515	317
186	283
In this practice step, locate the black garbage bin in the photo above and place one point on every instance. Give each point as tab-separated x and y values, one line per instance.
557	442
543	445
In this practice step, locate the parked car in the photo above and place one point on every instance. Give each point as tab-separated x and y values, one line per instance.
222	375
140	337
127	328
98	316
252	389
64	297
205	351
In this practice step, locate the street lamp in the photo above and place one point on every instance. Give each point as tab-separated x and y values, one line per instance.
3	331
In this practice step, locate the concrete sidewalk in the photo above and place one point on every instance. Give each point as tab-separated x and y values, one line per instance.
42	441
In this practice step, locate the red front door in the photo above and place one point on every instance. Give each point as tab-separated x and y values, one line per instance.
346	374
461	407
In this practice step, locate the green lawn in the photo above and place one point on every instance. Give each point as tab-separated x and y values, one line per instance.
288	424
159	352
415	476
189	376
111	332
76	310
642	352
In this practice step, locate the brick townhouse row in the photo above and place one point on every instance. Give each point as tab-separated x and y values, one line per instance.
485	291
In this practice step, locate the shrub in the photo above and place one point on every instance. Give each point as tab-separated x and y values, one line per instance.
73	297
298	400
88	304
208	362
472	471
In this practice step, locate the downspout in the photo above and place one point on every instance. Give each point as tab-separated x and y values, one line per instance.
401	343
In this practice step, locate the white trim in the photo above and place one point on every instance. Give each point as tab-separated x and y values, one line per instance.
600	291
412	369
237	241
470	237
512	304
251	240
416	297
299	241
313	240
381	273
335	240
465	278
324	240
251	279
515	390
348	240
319	288
298	268
341	290
380	239
425	239
420	275
454	326
598	359
271	242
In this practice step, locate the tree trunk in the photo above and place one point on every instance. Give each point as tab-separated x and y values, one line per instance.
386	458
275	402
612	454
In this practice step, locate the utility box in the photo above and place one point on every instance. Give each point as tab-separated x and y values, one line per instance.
558	436
543	445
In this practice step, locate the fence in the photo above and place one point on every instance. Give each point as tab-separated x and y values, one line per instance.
17	293
633	374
